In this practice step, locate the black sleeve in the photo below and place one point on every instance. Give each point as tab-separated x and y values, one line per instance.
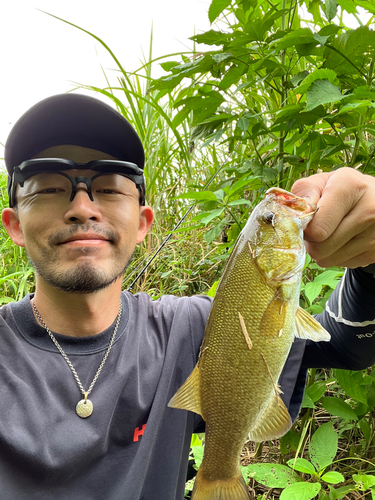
349	318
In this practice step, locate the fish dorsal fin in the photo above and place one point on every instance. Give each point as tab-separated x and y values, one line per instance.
308	328
273	422
188	397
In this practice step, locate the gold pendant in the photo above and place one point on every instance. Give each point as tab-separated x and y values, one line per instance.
84	407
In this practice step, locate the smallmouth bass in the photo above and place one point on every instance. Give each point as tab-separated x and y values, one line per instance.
254	318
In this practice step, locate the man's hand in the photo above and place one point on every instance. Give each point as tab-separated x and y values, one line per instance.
342	232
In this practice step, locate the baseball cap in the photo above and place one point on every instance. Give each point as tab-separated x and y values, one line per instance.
73	119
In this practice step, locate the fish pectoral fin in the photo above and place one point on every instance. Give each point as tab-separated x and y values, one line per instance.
273	318
233	488
273	423
308	328
188	396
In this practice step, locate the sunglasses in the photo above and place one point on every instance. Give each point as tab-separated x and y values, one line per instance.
105	169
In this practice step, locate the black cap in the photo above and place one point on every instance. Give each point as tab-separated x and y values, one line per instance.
73	119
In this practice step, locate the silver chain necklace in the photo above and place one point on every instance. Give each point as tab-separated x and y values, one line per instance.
84	407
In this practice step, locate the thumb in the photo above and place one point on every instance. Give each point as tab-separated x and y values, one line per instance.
311	187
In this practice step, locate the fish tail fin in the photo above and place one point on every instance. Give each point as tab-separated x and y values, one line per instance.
230	489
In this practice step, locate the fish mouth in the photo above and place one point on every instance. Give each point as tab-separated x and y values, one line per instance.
292	201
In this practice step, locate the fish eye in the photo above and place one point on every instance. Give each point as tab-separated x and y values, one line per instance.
268	217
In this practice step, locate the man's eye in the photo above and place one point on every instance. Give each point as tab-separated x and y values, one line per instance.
50	190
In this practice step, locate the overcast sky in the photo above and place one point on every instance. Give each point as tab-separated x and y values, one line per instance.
41	56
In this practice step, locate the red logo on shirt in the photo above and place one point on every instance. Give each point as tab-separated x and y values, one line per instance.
138	431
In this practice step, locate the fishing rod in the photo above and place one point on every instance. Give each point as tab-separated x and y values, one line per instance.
167	238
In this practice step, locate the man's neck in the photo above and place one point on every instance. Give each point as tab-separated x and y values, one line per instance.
77	315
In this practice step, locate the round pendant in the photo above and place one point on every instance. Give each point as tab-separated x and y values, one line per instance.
84	408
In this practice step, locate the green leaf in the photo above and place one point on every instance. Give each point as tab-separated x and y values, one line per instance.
318	74
302	465
296	37
348	5
198	195
312	290
333	477
330	9
300	491
211	293
197	452
213	233
216	8
242	201
322	92
365	428
364	481
272	475
307	402
338	408
355	45
329	278
195	440
316	390
213	214
351	382
323	446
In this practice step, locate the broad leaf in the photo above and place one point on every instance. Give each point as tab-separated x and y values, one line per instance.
322	92
338	408
272	475
351	383
333	477
302	465
213	215
300	491
364	481
330	9
323	446
198	195
216	8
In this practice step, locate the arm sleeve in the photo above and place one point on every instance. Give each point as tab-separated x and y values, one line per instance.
349	317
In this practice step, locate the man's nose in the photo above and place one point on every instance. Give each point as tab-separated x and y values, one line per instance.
81	208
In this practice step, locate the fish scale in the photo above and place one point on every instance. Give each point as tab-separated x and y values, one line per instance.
247	340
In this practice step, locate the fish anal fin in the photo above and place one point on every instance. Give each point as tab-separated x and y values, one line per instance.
273	318
273	423
308	328
224	489
188	396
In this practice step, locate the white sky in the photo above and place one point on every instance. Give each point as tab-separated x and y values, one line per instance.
42	56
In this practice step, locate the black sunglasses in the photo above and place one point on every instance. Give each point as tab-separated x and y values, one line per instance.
36	166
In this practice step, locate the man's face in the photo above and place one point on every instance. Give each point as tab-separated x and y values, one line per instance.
80	246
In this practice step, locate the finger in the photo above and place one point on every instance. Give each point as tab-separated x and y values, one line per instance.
340	191
357	252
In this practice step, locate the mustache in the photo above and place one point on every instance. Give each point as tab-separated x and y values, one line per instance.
63	234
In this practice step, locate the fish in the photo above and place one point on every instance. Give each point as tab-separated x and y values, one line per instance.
254	318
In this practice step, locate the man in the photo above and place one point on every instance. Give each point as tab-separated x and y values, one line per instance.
87	371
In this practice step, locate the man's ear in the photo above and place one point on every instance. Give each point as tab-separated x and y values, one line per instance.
146	218
12	225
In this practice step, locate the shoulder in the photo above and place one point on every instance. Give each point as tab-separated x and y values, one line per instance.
170	316
168	305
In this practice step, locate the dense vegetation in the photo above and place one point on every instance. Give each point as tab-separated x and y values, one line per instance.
284	90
